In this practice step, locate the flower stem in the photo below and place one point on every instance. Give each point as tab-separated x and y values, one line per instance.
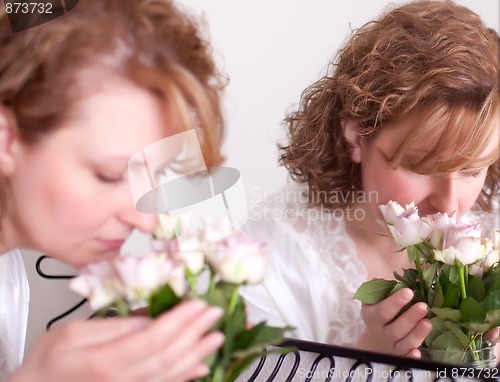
123	308
234	300
419	271
218	374
211	286
461	277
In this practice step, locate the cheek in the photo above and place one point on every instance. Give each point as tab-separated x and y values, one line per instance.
469	193
63	203
398	185
86	208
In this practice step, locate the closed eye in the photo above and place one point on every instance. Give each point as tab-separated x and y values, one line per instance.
472	173
108	178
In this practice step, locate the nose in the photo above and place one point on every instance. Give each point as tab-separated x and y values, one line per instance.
143	222
444	197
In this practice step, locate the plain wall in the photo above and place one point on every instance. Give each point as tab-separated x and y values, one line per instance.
271	50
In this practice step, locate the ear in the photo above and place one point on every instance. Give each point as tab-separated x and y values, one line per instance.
350	129
7	141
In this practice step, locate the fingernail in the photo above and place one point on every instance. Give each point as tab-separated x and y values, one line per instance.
406	295
215	312
141	323
219	338
423	308
197	304
203	370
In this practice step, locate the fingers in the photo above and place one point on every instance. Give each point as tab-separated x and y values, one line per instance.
161	330
378	315
191	366
81	334
414	353
402	326
492	335
170	348
402	335
414	338
173	345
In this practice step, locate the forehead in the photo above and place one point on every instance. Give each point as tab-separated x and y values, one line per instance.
119	115
442	142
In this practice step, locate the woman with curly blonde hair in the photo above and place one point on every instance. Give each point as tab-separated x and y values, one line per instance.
409	111
79	96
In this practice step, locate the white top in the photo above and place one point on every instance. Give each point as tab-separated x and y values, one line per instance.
14	304
314	271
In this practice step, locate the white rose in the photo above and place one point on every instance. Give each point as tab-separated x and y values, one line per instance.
177	280
216	229
391	211
496	240
191	254
405	225
239	260
145	274
462	242
492	257
100	284
439	223
172	226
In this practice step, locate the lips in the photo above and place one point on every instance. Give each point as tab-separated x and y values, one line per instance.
113	244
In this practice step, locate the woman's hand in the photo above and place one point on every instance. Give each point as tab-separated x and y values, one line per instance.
388	334
493	335
167	349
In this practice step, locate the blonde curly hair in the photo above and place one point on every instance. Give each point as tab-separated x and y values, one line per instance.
433	61
46	69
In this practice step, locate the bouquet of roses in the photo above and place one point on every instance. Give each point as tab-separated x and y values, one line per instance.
210	264
457	274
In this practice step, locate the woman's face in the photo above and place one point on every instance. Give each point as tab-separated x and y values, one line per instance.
71	193
454	192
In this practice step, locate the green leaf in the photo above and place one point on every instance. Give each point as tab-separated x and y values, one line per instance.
451	273
235	368
451	291
450	346
475	288
233	327
459	334
427	250
438	328
374	291
430	274
412	253
493	315
492	301
397	287
430	296
410	277
491	280
438	300
161	301
258	336
478	327
472	311
447	314
446	341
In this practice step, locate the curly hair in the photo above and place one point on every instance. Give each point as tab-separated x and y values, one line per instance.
45	70
433	61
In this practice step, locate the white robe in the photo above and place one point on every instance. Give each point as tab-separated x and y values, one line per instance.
314	271
14	306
